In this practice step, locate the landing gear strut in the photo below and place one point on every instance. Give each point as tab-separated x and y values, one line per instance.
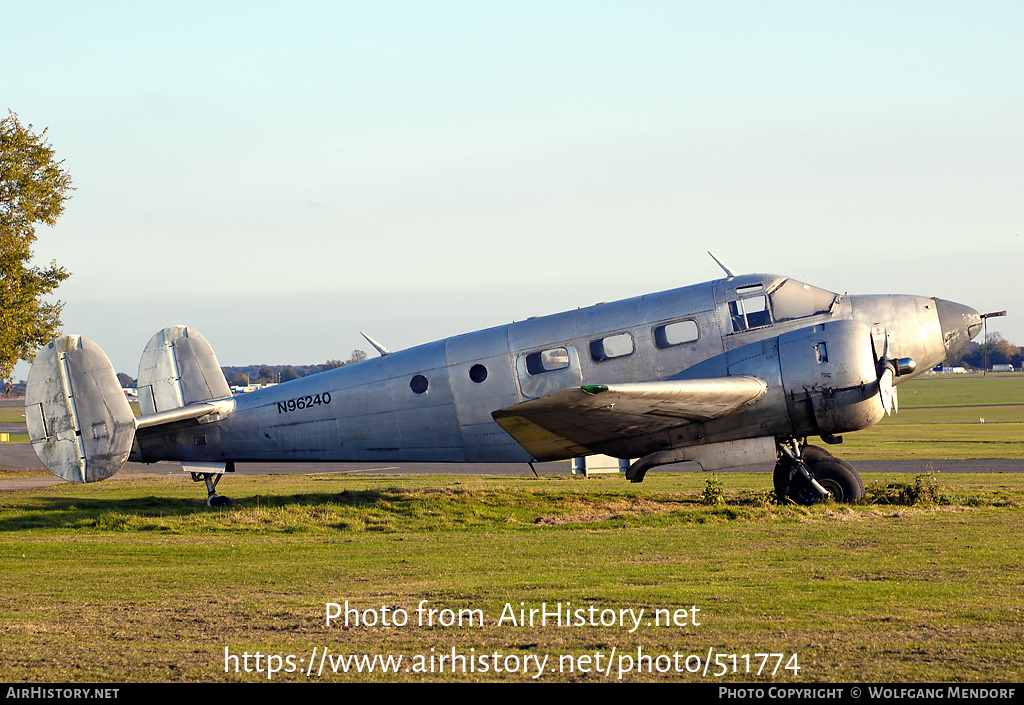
212	498
209	472
808	474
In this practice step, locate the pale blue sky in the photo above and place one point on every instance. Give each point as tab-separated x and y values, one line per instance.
283	175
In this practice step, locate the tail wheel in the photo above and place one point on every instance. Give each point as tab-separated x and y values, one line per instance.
836	476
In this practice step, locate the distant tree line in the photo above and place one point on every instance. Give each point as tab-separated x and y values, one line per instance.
997	351
243	376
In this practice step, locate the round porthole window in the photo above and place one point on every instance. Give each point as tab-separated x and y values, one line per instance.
478	373
418	384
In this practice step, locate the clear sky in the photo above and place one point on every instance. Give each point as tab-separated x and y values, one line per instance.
281	175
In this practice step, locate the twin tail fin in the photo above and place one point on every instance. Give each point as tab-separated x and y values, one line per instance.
79	420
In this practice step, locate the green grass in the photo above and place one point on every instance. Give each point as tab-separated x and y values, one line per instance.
948	416
958	390
137	580
12	413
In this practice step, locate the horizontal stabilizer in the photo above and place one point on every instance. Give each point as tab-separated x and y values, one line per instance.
79	421
222	407
572	422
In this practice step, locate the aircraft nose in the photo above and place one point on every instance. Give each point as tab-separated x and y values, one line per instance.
959	324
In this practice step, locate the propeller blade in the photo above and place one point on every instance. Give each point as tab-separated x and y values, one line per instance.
889	368
886	390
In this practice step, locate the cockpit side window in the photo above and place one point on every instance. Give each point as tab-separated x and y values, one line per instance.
751	312
786	301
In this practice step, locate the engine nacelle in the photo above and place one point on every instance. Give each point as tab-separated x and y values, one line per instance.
830	377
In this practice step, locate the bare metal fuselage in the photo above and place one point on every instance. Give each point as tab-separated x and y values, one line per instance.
435	402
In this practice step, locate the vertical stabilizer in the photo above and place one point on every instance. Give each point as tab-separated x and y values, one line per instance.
178	368
78	419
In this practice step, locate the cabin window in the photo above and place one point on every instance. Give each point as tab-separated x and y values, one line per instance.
611	347
547	361
478	373
678	333
418	384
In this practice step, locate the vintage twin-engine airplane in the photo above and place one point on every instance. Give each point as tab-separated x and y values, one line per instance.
731	372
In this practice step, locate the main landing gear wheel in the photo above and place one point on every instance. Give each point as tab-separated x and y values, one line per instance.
834	475
786	468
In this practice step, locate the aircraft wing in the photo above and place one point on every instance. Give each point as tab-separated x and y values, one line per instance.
567	424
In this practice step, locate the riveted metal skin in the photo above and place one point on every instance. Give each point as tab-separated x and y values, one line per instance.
79	421
786	359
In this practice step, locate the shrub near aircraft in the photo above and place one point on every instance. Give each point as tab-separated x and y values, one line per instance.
730	372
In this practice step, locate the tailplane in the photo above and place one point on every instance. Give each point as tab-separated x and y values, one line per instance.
80	423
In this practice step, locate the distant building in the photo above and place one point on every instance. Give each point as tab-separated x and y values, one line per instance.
250	388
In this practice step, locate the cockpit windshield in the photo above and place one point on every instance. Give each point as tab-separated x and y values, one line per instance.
793	299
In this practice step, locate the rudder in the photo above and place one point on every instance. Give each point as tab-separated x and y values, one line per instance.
79	421
178	368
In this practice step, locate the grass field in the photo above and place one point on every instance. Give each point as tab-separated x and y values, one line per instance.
135	580
947	416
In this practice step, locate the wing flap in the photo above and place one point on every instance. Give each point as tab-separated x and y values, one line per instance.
569	423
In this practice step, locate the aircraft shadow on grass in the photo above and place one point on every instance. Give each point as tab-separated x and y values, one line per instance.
118	514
